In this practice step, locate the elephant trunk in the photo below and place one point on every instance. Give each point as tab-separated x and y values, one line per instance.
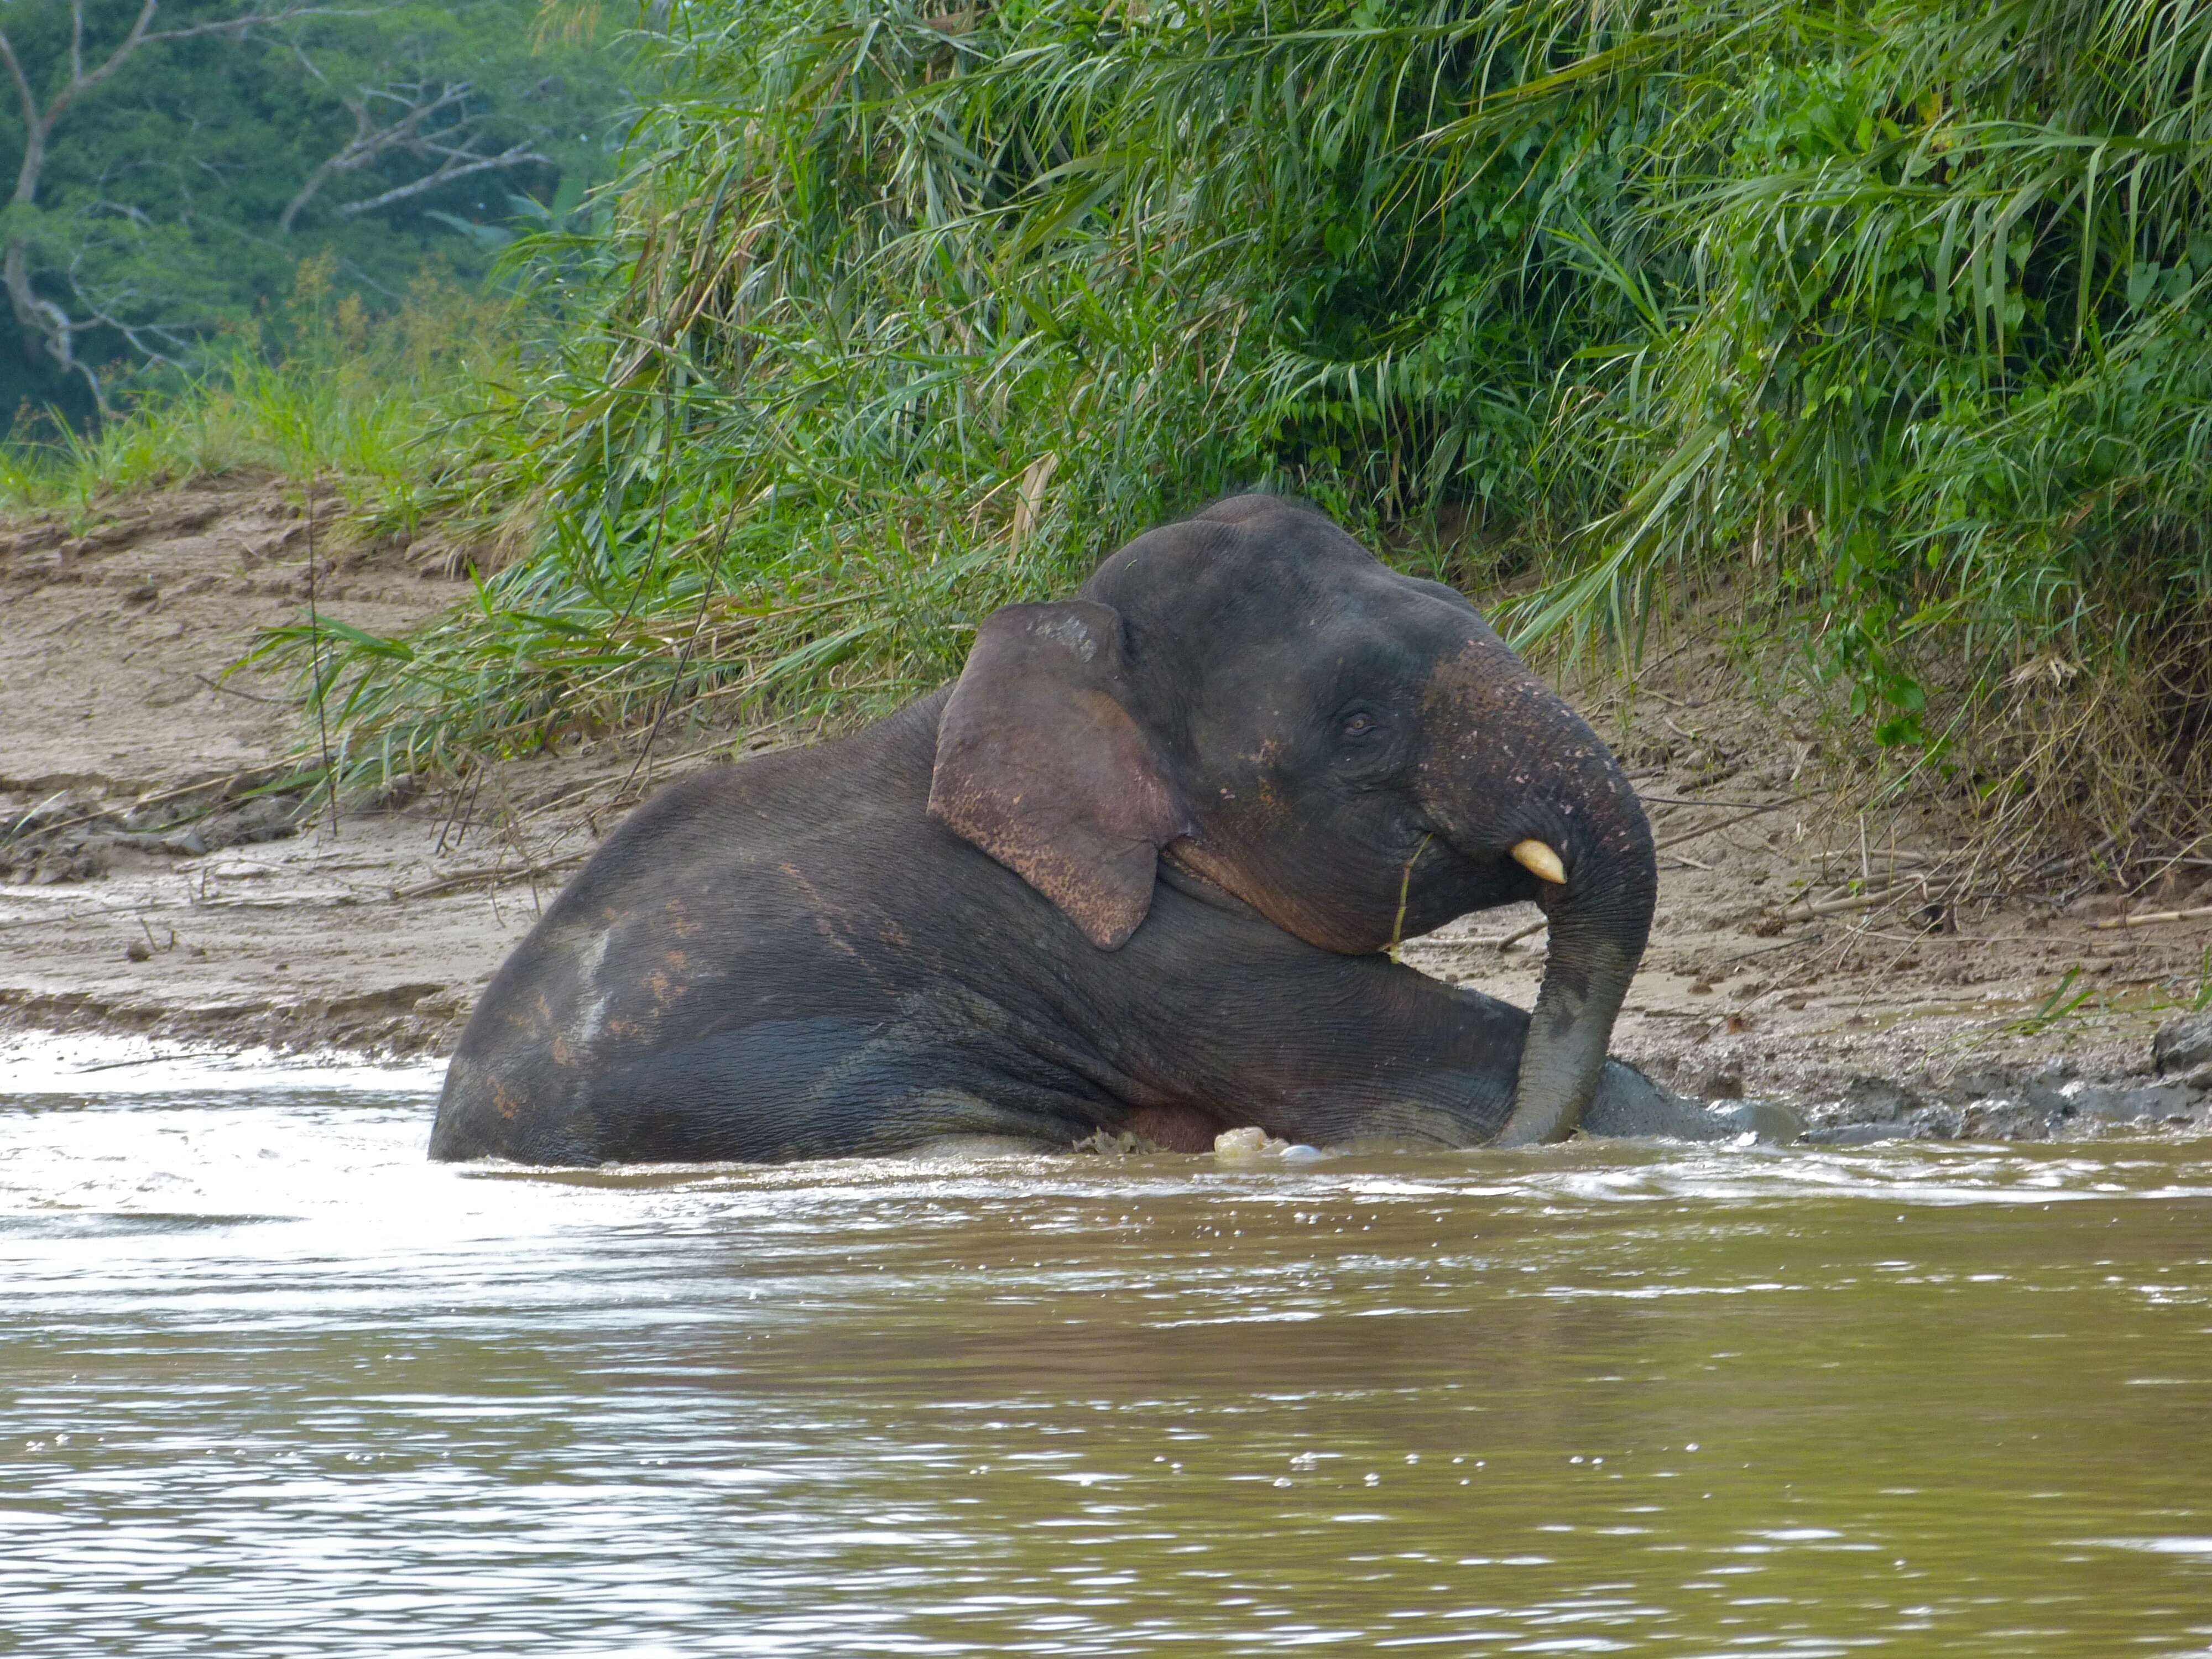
1518	767
1597	942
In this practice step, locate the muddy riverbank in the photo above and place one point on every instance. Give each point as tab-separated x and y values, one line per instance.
1800	950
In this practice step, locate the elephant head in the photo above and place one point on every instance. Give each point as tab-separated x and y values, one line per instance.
1352	752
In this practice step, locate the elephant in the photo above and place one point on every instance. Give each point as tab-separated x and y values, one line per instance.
1140	869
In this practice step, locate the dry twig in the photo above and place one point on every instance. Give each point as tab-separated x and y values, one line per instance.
2155	918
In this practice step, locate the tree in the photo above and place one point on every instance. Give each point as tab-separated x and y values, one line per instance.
175	159
41	318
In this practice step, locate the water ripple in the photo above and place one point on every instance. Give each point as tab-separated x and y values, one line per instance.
270	1383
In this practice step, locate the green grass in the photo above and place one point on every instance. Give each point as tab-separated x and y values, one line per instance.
384	406
47	465
2200	997
2056	1009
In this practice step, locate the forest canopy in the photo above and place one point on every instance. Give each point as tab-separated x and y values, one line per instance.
173	163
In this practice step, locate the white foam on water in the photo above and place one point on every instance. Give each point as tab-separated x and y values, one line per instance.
98	1063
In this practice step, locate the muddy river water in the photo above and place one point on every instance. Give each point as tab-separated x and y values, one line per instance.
272	1384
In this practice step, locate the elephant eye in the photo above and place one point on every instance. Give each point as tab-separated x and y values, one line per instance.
1361	725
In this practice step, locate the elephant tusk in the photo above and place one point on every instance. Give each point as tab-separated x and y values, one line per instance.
1541	861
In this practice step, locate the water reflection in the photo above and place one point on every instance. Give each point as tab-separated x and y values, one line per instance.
270	1383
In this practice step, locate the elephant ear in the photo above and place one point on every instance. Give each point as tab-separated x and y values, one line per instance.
1040	764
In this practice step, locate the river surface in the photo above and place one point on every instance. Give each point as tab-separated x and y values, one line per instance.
272	1384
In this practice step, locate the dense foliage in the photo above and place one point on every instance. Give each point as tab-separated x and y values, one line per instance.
1901	308
172	165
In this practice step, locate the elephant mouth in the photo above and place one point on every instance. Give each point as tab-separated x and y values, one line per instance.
1213	872
1203	875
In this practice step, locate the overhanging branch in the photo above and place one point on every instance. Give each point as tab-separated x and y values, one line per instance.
518	156
451	147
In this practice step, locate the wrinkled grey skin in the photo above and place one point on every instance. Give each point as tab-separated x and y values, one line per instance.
1137	870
